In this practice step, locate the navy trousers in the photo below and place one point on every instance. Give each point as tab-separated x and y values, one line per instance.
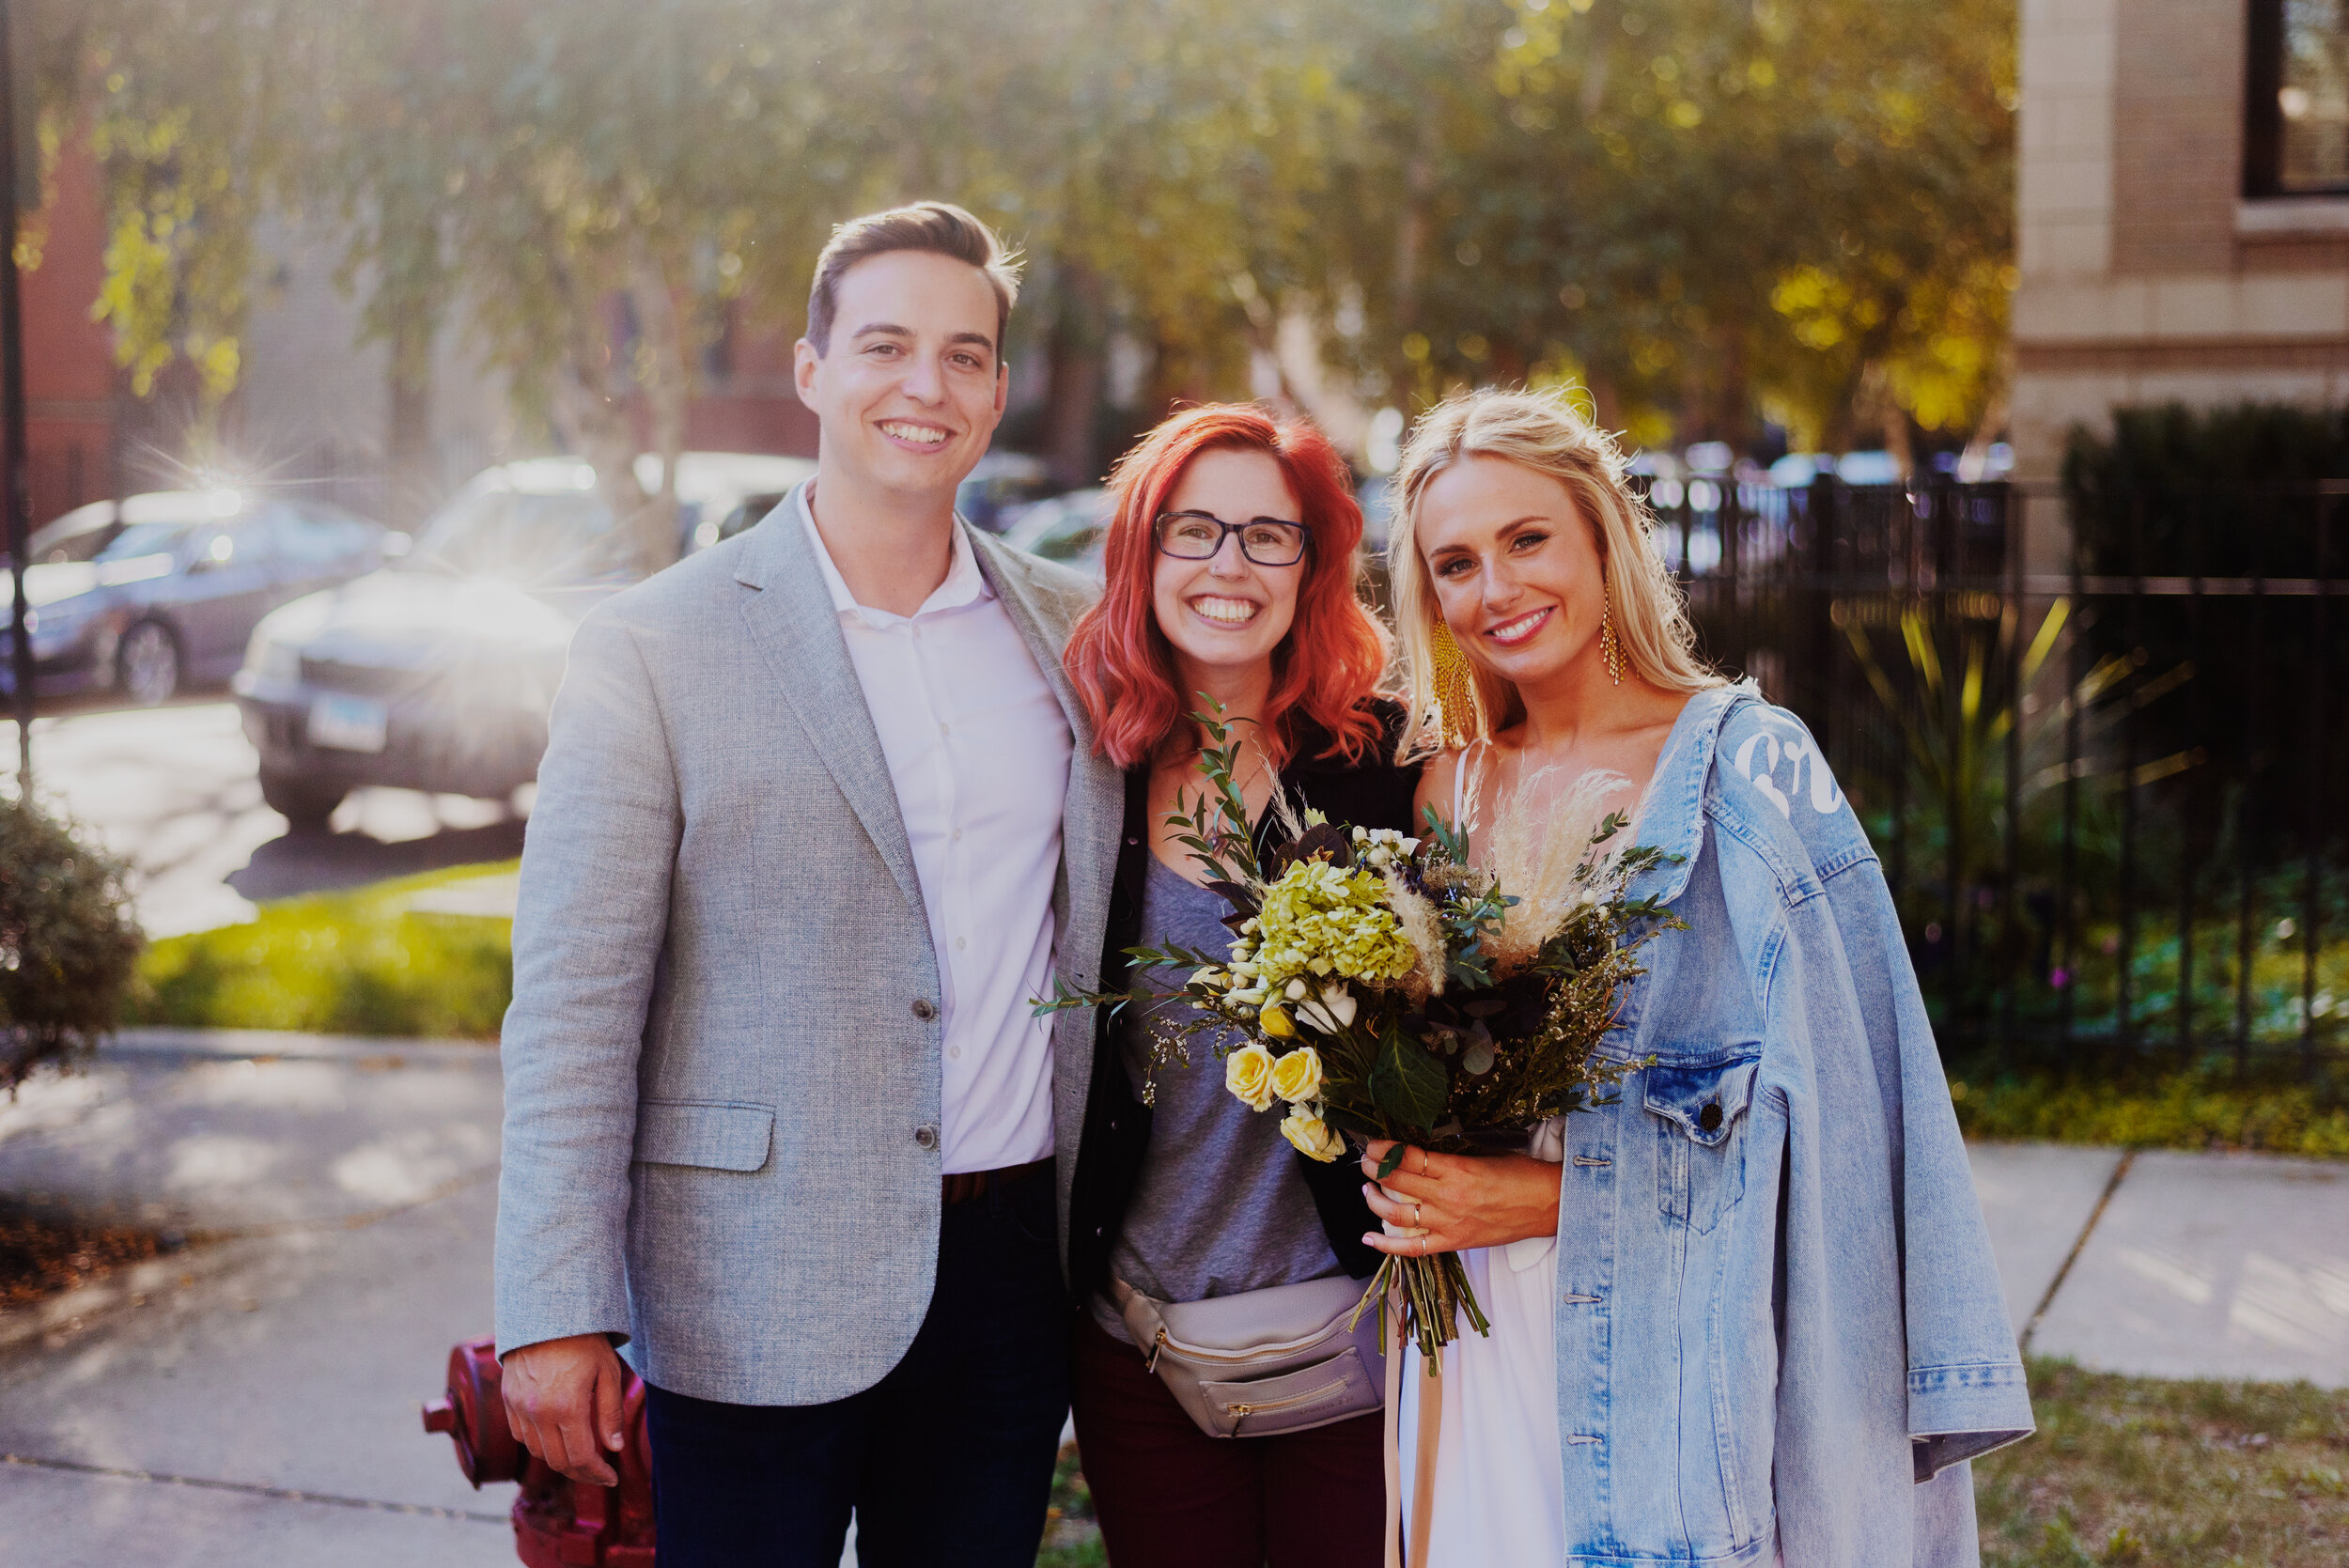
948	1460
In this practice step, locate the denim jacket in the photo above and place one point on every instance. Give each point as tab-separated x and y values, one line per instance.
1779	1323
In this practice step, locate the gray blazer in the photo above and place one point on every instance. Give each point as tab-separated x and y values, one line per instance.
724	1039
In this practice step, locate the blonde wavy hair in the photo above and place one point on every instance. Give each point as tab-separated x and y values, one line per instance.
1546	432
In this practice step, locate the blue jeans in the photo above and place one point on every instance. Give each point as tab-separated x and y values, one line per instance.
946	1461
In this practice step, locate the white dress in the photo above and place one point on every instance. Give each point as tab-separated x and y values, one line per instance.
1499	1488
1499	1493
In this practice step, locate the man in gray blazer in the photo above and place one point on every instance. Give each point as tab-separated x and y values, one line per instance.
820	815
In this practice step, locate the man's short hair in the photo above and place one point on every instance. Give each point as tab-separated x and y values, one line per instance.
926	225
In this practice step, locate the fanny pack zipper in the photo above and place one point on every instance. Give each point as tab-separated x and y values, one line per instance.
1185	1353
1241	1412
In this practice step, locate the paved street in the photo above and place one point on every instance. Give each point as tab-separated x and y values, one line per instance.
174	790
273	1374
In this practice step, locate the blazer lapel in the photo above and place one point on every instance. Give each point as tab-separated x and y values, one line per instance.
791	619
1046	641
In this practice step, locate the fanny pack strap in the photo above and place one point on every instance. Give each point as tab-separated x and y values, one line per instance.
1142	1320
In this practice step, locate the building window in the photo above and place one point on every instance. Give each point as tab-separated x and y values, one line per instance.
2296	140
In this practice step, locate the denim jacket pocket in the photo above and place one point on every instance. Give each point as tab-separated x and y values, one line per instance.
1700	1107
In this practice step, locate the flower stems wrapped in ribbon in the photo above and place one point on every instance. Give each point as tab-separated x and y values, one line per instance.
1384	986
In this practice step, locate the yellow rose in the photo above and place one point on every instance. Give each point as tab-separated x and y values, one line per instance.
1298	1075
1311	1137
1247	1074
1276	1023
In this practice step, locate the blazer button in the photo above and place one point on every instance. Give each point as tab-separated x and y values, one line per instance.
924	1009
926	1136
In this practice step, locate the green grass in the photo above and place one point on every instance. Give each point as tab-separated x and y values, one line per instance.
2194	1108
2124	1472
2148	1473
343	963
1071	1539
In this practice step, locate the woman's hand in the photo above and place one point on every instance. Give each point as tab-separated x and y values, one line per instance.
1448	1202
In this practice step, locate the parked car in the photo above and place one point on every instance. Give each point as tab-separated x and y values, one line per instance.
163	590
438	675
1072	529
1003	485
747	513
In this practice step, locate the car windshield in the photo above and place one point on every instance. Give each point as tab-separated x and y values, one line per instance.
78	535
563	538
146	539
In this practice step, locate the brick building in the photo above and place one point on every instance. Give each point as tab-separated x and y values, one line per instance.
313	405
2184	224
73	412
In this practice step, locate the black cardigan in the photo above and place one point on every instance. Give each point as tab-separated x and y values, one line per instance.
1374	793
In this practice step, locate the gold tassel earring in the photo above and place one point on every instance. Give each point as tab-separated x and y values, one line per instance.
1610	646
1458	715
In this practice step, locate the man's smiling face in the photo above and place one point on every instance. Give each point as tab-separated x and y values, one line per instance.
911	386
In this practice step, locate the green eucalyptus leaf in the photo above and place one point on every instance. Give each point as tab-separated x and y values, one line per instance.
1408	1084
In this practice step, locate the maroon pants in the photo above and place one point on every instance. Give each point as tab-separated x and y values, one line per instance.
1167	1494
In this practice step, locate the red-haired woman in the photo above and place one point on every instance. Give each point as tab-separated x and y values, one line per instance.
1231	573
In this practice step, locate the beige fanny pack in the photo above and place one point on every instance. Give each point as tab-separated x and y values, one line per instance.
1265	1361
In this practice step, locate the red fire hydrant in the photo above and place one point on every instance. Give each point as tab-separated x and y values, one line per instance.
556	1523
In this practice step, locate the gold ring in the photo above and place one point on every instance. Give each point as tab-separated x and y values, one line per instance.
1414	1216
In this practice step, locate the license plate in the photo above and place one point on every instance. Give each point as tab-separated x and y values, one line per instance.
347	723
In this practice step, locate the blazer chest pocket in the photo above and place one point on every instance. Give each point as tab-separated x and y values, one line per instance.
716	1135
1700	1160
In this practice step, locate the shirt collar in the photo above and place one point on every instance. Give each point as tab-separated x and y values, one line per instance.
965	583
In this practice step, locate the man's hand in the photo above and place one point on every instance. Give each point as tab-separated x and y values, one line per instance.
1450	1202
563	1401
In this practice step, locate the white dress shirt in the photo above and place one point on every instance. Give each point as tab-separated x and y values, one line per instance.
979	751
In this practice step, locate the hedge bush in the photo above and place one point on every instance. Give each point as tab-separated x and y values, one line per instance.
67	942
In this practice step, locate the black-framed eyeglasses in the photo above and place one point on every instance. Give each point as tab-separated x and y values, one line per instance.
1198	535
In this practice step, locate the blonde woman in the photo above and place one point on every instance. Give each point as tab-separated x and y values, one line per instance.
1748	1310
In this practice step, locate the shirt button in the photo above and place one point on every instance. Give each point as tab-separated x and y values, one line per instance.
926	1136
961	943
955	1051
958	836
924	1009
943	730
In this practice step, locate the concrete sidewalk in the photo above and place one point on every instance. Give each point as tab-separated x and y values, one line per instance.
252	1399
275	1373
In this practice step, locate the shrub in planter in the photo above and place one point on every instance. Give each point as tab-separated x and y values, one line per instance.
67	942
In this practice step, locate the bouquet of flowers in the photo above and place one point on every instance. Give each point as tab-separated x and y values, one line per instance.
1386	987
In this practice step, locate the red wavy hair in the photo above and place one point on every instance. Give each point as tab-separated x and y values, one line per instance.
1335	651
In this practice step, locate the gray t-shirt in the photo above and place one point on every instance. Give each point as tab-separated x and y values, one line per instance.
1219	1208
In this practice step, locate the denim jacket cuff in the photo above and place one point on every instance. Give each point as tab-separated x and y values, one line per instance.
1959	1411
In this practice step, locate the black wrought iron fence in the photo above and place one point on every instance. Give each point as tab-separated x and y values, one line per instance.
2107	782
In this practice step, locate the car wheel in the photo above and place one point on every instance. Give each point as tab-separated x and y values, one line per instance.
147	666
302	802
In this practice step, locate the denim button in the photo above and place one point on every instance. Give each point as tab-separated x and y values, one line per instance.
926	1136
1710	1117
924	1009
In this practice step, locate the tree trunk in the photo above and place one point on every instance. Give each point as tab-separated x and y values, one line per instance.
592	421
1605	403
1975	461
666	377
409	443
1076	361
1410	248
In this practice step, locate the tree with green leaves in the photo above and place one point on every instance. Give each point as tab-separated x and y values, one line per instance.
1710	211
